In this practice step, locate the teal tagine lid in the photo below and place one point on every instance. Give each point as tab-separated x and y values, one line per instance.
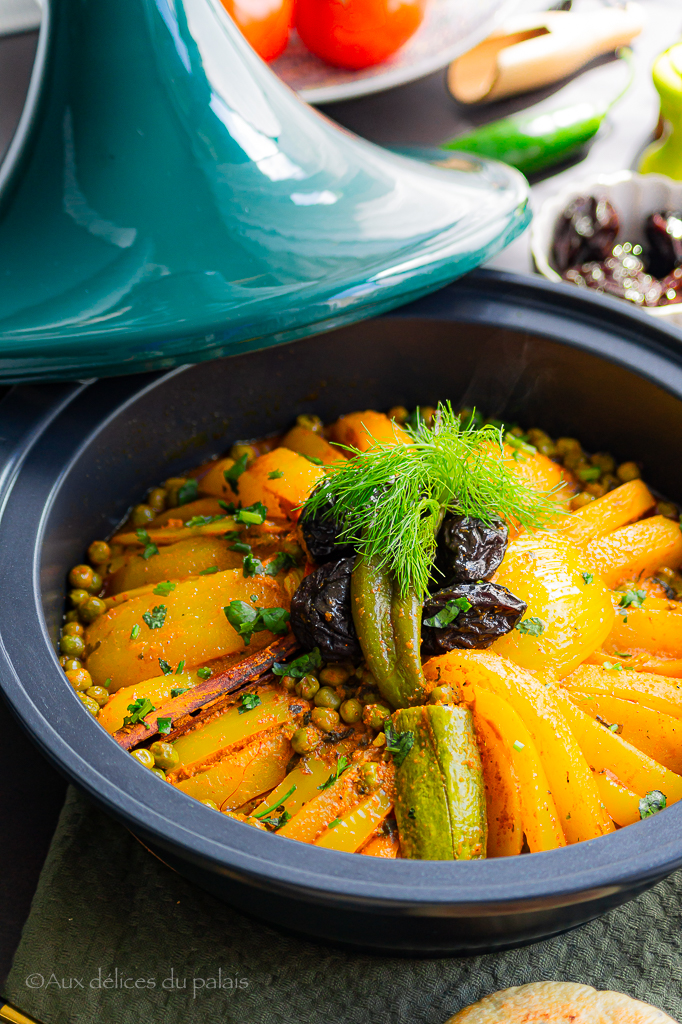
166	199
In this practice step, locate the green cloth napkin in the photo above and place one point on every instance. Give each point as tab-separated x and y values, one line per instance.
106	909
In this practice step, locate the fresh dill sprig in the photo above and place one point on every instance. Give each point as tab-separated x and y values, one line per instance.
390	500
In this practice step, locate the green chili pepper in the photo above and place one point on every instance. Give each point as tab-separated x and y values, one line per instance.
389	631
440	797
540	137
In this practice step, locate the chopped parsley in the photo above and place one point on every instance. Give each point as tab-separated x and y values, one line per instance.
341	766
531	627
139	710
312	458
249	701
652	803
135	631
518	745
107	682
164	725
144	539
398	743
632	599
188	492
156	617
177	691
280	562
202	520
276	474
229	506
234	472
301	666
336	821
204	673
164	589
248	620
252	566
449	613
181	668
252	515
587	578
165	667
209	572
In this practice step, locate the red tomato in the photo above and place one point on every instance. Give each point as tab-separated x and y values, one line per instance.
357	33
265	24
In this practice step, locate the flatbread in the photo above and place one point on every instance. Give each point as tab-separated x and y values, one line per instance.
559	1002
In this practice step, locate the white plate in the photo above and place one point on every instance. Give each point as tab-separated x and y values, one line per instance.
633	196
450	28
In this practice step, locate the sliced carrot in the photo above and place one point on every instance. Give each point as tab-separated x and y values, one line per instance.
201	507
636	550
281	479
214	481
382	846
307	442
331	803
362	430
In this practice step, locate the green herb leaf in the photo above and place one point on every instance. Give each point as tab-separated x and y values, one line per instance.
165	667
203	520
341	766
252	515
390	499
449	613
139	710
178	690
150	550
252	566
632	598
188	492
164	589
398	743
209	572
164	725
107	682
135	631
204	673
229	506
652	803
249	701
275	619
279	563
142	536
241	547
248	620
412	813
587	578
334	823
301	666
312	458
531	627
149	547
234	472
180	669
156	617
275	807
276	474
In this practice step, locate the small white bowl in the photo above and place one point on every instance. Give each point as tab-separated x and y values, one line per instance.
633	196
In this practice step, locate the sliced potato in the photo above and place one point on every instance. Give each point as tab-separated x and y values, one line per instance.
185	558
617	508
244	775
363	430
652	691
637	550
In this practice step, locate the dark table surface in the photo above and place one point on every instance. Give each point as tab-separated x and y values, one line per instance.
422	113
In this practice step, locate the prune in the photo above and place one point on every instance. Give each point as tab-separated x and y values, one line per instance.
321	612
468	550
319	531
493	611
664	235
586	231
622	274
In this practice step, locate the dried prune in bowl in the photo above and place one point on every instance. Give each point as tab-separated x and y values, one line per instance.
321	611
468	549
319	531
664	234
586	231
493	611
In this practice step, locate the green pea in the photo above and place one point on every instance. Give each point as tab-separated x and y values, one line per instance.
289	683
628	471
96	584
334	675
156	499
237	451
374	715
71	616
310	421
79	597
73	629
159	774
142	515
70	664
72	645
92	609
351	711
307	687
165	755
81	576
369	777
325	718
80	679
99	694
210	803
305	740
99	552
604	461
172	487
91	705
144	756
327	698
442	695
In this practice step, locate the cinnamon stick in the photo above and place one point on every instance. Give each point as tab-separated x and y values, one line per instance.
209	691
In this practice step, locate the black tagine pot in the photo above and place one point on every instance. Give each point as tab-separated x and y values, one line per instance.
75	456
